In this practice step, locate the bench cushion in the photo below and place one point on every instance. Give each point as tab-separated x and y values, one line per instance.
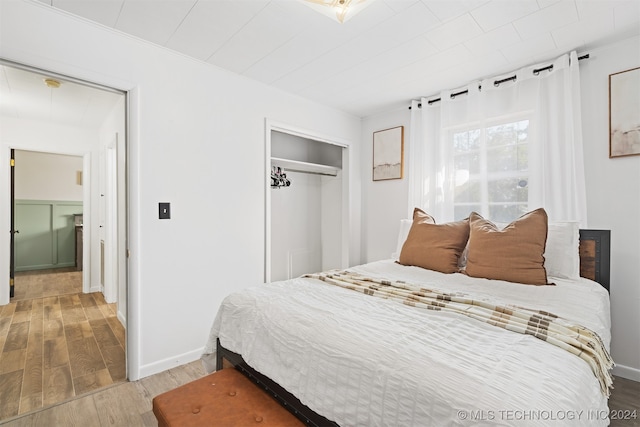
224	398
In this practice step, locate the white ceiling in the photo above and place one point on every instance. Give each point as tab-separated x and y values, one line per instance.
393	51
24	95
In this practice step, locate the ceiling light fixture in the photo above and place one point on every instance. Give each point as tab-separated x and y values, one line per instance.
52	83
340	10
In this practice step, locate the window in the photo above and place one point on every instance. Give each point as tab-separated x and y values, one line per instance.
501	150
490	169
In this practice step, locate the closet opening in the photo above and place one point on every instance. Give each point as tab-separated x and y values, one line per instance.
306	203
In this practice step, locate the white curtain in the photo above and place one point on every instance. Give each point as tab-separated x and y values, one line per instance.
546	104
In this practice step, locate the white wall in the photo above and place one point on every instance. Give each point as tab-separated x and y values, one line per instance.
46	176
613	197
384	202
191	124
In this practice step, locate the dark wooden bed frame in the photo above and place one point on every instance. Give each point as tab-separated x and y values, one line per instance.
226	358
595	258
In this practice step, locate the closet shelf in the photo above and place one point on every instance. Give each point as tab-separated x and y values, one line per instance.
305	167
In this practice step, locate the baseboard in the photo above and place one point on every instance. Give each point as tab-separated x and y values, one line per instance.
172	362
122	319
44	267
627	372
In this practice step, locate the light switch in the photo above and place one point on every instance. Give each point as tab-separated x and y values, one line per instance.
164	210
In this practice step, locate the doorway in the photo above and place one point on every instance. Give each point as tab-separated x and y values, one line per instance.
48	211
86	121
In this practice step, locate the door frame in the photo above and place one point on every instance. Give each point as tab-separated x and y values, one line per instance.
126	272
86	207
12	225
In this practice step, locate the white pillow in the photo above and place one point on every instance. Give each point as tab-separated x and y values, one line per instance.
405	226
561	255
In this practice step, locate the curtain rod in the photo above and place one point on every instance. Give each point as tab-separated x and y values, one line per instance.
498	82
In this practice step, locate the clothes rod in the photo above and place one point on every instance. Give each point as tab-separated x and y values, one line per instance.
497	82
311	172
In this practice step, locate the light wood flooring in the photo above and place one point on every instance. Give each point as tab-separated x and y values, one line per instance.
56	342
47	283
126	404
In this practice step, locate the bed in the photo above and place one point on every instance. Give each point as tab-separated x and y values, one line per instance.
338	357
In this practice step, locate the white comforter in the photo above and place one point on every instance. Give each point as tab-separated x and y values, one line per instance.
365	361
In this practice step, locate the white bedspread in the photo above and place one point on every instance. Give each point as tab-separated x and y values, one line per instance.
365	361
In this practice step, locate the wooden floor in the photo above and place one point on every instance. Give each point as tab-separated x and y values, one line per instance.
126	404
624	403
56	342
47	283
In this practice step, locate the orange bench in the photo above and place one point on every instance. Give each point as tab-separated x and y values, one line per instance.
225	398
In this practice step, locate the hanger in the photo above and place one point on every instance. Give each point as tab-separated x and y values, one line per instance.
279	178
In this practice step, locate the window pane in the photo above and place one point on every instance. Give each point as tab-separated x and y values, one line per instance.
469	162
507	133
506	213
507	147
523	157
502	159
469	192
508	190
461	212
466	141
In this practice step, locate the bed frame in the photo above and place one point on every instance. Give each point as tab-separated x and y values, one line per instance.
595	256
226	358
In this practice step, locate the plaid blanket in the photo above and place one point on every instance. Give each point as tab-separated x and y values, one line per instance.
548	327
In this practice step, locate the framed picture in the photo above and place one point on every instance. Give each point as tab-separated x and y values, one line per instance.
624	113
388	154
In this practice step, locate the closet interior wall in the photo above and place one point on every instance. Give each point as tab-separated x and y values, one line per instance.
306	217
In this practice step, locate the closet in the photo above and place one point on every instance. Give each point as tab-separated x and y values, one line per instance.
307	204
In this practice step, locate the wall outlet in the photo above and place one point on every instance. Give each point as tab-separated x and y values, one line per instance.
164	210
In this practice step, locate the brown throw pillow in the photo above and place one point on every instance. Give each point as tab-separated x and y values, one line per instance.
434	246
514	254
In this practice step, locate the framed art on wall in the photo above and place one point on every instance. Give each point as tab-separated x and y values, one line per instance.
624	113
388	154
